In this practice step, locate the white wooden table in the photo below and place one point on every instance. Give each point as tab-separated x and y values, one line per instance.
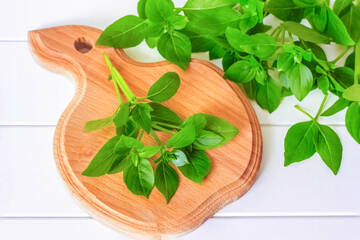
302	201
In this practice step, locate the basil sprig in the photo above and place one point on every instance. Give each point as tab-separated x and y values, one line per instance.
183	150
268	64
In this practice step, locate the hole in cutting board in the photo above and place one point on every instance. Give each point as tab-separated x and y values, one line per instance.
83	45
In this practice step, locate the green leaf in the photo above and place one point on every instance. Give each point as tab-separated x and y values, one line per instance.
98	124
159	10
352	120
166	180
141	9
151	41
141	115
126	143
103	160
323	84
120	164
241	71
268	96
178	22
163	114
338	106
301	81
337	30
340	5
285	10
197	120
305	33
344	76
183	138
221	127
179	158
352	93
351	21
198	168
199	5
123	115
217	52
299	142
285	61
262	45
140	179
128	31
329	147
318	19
129	129
350	61
164	88
207	140
212	22
248	23
176	48
148	151
201	44
155	29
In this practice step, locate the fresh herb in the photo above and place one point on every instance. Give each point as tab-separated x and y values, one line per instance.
184	149
268	64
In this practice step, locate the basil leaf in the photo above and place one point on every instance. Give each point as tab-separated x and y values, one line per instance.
198	168
241	71
221	127
212	22
329	147
201	44
176	48
120	164
124	33
155	29
129	129
337	30
247	23
350	61
217	52
131	142
98	124
141	9
148	151
163	114
228	60
103	160
285	10
179	158
124	145
352	120
164	88
140	179
338	106
305	33
352	93
197	120
344	76
122	116
151	41
301	81
207	140
285	61
198	5
159	10
183	138
166	180
178	22
299	142
323	84
319	19
340	5
268	96
141	115
260	44
351	21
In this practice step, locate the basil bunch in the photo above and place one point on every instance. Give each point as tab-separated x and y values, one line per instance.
268	66
185	148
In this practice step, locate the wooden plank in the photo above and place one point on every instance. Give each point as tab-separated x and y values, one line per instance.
31	186
322	228
25	85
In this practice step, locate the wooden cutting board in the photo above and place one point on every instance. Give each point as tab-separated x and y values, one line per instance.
71	50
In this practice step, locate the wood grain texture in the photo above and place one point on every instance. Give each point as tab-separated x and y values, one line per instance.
106	198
